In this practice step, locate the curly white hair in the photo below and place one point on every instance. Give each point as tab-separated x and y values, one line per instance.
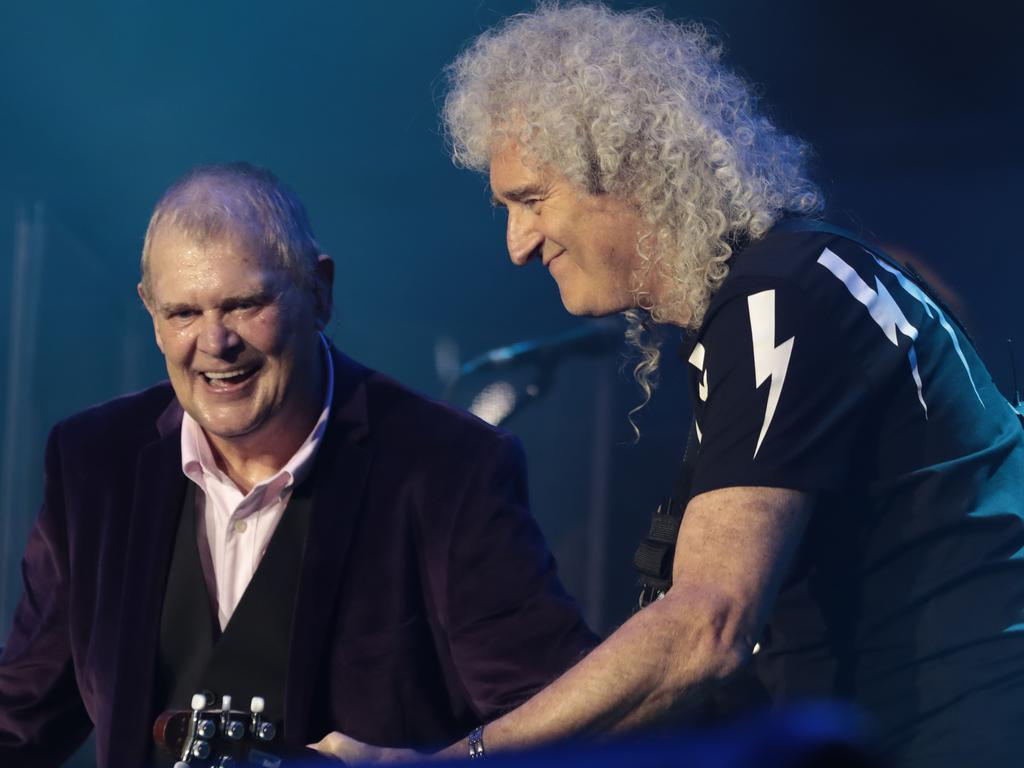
637	106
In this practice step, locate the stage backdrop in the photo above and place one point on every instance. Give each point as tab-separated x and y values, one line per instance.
102	105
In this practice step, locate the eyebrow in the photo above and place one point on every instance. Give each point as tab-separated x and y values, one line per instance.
256	297
519	194
170	309
261	296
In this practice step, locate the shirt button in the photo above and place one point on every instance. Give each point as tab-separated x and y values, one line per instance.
240	526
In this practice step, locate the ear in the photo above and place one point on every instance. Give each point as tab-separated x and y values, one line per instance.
152	313
323	288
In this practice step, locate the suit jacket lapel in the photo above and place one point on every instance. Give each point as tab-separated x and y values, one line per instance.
159	494
342	466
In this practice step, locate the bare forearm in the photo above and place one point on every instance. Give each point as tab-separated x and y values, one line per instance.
738	543
654	665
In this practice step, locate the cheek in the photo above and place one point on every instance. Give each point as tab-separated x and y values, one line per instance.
173	343
268	330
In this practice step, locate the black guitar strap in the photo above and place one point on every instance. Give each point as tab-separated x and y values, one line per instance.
656	551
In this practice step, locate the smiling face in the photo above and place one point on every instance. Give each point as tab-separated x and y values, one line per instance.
239	337
588	242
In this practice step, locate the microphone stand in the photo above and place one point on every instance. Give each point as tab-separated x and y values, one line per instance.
543	356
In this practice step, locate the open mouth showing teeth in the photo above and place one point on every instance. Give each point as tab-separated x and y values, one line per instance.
227	378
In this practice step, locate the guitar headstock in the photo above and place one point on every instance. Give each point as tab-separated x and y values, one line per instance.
212	736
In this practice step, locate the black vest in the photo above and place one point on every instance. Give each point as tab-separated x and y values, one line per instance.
250	657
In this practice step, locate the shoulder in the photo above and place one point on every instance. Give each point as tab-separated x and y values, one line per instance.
427	423
126	422
409	422
800	269
792	256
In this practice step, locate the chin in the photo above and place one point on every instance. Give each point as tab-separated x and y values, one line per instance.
574	306
591	298
229	428
225	431
585	309
231	431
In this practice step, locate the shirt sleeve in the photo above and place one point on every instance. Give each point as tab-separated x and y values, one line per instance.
777	400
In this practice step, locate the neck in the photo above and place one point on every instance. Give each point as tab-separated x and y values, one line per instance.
247	468
679	317
668	312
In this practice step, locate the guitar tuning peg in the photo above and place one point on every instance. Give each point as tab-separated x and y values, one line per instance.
200	749
266	731
203	728
256	708
206	729
262	729
232	729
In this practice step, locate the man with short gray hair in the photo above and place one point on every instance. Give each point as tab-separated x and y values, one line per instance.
276	521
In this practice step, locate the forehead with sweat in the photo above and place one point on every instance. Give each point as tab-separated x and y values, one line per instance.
210	210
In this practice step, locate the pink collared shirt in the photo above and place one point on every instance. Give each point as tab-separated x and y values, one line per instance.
238	526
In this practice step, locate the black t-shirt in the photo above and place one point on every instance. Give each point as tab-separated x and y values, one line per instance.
822	368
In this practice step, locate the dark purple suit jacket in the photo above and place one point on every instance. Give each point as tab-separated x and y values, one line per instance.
427	600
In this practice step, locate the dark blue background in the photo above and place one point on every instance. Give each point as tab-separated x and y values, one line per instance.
914	112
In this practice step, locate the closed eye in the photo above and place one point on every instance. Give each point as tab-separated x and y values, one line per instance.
529	203
527	195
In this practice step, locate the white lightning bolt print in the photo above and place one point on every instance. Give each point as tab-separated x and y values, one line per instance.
930	307
697	361
770	361
883	310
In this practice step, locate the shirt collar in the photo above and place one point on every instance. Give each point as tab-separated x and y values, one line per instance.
199	465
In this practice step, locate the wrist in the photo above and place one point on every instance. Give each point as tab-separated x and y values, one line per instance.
475	743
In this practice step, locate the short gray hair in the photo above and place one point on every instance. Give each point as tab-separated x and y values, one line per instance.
211	202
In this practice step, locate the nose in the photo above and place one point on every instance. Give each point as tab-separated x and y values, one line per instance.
217	337
523	238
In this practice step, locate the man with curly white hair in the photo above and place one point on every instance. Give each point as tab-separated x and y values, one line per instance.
853	502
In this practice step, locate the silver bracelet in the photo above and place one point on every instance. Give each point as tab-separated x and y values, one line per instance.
476	742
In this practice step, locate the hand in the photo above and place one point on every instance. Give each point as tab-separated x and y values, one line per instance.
351	751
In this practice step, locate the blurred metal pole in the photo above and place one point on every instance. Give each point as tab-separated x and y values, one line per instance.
26	268
600	473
